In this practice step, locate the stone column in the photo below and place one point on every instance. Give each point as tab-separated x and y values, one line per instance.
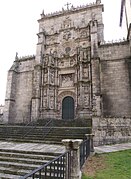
90	137
74	146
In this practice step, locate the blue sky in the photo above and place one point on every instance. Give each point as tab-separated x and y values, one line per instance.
19	27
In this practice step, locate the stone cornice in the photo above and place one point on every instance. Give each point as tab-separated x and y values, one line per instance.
71	11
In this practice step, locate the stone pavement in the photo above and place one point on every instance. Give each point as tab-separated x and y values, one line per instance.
50	148
34	147
112	148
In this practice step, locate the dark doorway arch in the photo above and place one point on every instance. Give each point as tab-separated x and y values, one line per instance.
68	108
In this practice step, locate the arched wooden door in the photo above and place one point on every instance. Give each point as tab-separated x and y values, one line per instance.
68	108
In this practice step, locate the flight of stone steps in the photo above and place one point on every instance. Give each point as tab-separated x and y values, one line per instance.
49	134
16	162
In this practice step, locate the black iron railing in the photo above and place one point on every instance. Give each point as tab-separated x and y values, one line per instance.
84	151
58	168
47	128
32	126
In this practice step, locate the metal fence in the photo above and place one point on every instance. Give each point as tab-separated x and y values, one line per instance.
58	168
84	151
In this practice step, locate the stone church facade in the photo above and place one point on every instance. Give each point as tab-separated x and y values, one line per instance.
74	73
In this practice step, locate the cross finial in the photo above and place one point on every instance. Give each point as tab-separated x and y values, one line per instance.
67	4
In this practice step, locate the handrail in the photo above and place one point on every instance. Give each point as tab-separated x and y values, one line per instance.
29	123
35	125
32	127
84	151
31	174
47	124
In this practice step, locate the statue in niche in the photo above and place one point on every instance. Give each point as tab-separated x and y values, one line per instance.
46	60
86	89
52	29
51	103
52	76
85	72
85	55
45	92
86	100
83	20
45	77
45	102
93	15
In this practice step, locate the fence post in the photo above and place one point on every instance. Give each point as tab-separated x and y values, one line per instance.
90	137
74	147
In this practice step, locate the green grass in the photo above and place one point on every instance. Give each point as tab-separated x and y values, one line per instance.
117	166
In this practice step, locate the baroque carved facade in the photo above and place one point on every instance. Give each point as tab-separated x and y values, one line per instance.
71	63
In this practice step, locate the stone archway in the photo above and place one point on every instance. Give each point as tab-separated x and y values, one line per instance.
68	106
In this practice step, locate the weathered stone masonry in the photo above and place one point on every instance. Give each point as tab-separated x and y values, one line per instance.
73	66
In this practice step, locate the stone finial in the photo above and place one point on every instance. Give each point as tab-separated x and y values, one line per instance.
16	56
98	1
43	13
67	4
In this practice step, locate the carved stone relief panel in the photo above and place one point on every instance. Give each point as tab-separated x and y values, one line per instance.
51	93
85	71
66	23
72	62
50	40
67	80
84	33
66	35
61	63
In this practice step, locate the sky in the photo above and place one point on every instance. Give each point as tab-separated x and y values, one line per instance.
19	26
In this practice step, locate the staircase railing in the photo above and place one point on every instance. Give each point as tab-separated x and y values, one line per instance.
33	126
58	168
47	128
84	151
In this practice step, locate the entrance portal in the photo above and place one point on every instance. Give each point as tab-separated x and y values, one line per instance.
68	108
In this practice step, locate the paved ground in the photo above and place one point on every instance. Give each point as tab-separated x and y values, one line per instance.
36	147
112	148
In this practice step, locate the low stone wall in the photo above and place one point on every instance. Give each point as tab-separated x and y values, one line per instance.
111	130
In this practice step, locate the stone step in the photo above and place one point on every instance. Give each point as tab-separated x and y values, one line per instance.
9	176
31	141
30	152
18	165
23	160
13	171
28	156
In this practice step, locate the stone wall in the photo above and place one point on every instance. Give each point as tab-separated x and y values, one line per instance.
111	130
19	91
115	74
